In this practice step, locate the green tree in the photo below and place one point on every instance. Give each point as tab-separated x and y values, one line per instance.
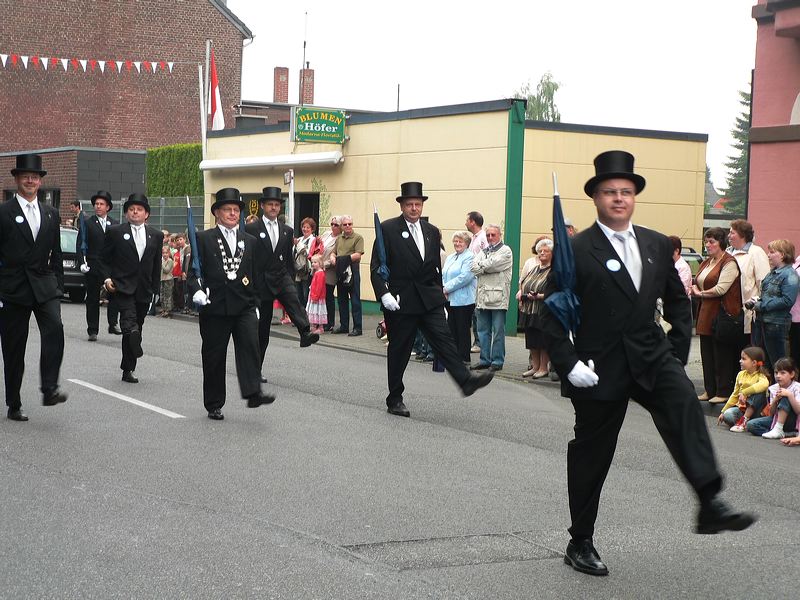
736	190
541	103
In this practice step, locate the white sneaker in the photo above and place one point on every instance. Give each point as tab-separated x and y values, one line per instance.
774	434
474	349
737	428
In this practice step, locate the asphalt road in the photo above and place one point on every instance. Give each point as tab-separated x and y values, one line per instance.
325	495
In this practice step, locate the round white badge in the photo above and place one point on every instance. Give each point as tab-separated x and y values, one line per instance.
404	234
19	219
613	264
241	244
262	235
232	275
127	236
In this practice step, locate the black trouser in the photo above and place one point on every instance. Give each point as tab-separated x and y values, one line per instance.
459	318
350	294
720	366
14	319
178	294
216	332
794	342
131	319
288	298
677	415
94	284
402	329
330	304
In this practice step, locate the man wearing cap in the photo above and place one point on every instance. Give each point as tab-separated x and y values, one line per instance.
131	264
275	270
412	297
226	290
620	352
96	227
31	281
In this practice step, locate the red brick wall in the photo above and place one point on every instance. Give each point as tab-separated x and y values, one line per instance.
61	167
53	108
307	85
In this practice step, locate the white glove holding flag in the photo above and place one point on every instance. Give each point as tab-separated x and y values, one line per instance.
583	376
201	298
389	302
84	268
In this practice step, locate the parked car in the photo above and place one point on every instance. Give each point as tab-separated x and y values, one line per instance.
74	285
693	258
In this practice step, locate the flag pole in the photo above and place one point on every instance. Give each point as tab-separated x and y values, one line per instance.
203	117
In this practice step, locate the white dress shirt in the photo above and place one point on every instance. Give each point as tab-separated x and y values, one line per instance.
32	214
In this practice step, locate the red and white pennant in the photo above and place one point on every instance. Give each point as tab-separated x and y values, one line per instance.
12	60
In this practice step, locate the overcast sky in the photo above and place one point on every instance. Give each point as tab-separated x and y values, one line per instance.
674	65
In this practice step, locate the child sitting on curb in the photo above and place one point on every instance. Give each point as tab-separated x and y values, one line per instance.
748	396
784	403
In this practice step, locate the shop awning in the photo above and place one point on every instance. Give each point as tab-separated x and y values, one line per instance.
280	160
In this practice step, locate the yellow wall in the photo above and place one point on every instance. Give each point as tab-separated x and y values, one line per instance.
672	201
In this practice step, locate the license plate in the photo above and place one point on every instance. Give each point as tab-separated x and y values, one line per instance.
69	264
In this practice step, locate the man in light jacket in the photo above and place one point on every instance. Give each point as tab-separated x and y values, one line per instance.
492	266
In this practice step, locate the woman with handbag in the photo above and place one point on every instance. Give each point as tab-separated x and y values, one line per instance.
773	309
720	318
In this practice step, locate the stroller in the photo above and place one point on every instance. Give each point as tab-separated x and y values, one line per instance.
381	330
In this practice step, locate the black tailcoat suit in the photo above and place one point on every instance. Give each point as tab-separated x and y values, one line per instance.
136	281
95	238
275	272
417	284
232	311
31	281
633	359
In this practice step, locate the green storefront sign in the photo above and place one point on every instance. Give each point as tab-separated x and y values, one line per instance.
318	125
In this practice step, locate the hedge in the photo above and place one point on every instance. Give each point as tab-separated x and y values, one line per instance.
175	170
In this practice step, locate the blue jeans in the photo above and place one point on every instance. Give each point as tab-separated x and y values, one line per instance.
492	336
772	337
733	414
764	424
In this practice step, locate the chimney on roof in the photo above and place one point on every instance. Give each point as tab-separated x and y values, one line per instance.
307	85
281	85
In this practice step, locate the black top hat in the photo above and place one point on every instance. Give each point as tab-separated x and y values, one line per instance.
271	193
614	164
411	189
139	199
104	196
29	163
227	196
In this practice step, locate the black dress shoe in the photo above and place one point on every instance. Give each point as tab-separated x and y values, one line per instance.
264	379
475	382
306	339
327	328
113	329
216	414
129	377
92	337
257	400
582	557
339	330
53	397
16	414
399	409
135	341
354	333
495	368
717	516
479	367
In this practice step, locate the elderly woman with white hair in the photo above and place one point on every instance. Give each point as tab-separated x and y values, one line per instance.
328	240
534	287
459	286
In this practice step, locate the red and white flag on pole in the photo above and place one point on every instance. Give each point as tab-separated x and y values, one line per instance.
217	118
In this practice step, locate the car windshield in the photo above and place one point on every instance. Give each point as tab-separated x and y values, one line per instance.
69	238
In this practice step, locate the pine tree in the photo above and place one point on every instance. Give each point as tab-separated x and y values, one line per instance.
736	191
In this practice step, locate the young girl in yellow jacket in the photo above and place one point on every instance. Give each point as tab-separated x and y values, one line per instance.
748	397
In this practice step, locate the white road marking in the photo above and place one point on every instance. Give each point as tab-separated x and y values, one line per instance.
96	388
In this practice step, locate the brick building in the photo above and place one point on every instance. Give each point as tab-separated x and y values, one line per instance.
91	126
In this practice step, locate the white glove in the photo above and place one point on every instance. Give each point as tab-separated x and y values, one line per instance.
583	376
84	268
389	302
258	314
201	298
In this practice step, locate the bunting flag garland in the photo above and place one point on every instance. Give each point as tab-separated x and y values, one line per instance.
85	65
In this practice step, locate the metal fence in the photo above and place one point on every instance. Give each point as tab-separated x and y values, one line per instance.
165	213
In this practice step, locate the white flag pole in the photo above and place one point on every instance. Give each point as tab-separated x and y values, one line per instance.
203	116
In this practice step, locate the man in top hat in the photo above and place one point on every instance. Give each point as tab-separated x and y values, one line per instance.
96	227
31	281
227	292
412	297
275	270
131	264
620	352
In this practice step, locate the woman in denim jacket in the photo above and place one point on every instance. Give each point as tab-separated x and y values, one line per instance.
778	293
459	289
